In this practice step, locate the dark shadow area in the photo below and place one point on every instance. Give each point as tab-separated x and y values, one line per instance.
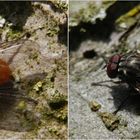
102	29
129	98
89	54
16	12
124	97
57	105
63	33
7	104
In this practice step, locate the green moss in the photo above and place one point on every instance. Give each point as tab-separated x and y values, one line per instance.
13	34
61	5
62	114
95	106
84	14
54	130
21	106
89	13
52	27
38	86
28	124
57	100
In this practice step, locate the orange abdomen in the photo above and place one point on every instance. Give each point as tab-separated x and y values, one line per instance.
5	72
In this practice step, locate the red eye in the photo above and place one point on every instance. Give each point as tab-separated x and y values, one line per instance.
112	66
5	72
115	58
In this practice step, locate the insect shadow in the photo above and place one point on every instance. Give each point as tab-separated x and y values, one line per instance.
126	99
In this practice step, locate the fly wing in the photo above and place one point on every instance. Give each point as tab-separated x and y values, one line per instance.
25	59
29	63
12	116
130	68
136	70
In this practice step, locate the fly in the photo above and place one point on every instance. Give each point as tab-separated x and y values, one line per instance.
9	56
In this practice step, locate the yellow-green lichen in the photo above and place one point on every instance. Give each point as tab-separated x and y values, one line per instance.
13	34
110	120
95	106
38	86
62	114
21	105
61	5
54	130
89	13
57	100
128	19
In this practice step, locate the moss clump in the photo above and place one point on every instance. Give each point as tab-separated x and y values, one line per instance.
21	106
52	27
54	131
13	34
62	5
38	86
62	114
110	120
89	13
57	100
95	106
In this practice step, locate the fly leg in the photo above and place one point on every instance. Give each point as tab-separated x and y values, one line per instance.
101	83
15	96
9	91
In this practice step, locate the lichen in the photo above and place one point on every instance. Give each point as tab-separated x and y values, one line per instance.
13	34
61	5
57	100
95	106
89	13
38	86
128	19
110	120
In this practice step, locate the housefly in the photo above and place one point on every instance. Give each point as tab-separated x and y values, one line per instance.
127	68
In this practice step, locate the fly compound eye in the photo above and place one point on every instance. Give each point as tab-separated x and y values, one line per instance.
112	70
5	72
112	66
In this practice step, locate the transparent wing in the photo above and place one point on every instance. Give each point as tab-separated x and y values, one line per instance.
131	70
27	65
